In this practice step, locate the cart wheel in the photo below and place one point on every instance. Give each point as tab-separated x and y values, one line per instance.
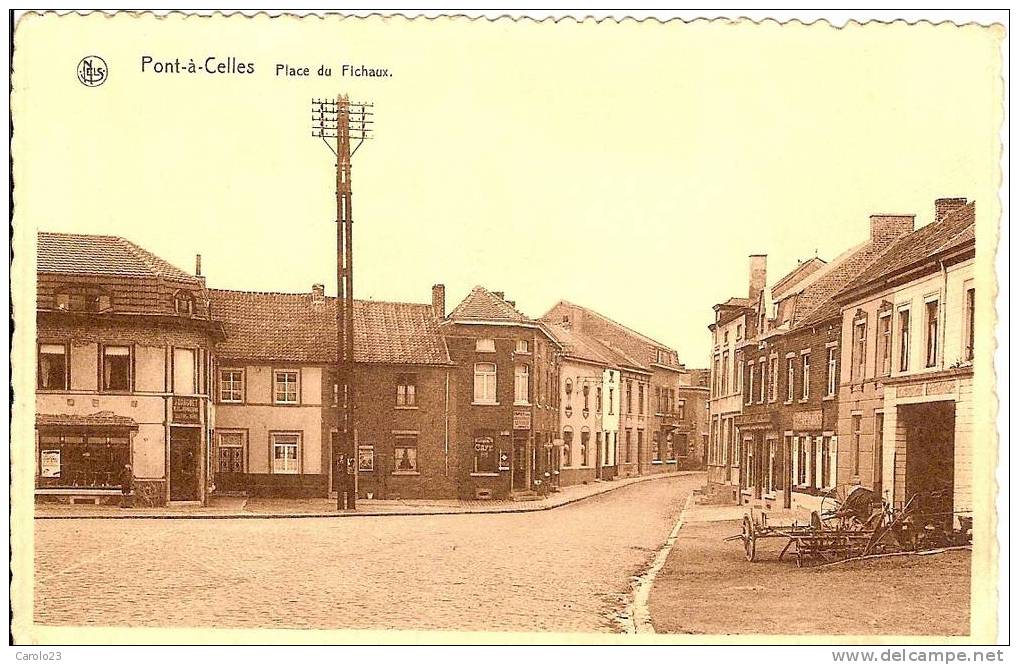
749	539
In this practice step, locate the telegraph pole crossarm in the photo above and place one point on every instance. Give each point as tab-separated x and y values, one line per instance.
343	121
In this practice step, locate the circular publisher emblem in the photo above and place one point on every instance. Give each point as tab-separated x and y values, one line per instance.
92	71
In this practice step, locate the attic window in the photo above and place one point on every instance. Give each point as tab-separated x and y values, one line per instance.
183	303
82	298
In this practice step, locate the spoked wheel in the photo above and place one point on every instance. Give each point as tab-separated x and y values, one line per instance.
749	539
830	504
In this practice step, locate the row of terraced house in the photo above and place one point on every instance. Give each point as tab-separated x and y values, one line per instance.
198	391
853	372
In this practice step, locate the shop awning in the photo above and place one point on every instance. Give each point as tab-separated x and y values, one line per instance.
99	419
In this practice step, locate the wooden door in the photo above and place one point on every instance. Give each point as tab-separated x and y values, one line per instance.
185	465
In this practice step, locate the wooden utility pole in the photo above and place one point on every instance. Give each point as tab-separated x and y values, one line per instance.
344	121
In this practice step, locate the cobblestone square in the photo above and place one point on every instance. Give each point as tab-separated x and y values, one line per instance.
565	570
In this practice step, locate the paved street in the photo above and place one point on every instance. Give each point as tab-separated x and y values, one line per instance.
566	569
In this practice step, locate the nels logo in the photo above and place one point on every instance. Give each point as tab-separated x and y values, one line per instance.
92	71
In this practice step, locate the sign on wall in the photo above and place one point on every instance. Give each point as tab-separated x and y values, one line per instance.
186	410
521	419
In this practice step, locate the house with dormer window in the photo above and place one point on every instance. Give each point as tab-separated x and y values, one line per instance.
123	371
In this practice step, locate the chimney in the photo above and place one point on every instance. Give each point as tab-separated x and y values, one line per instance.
318	294
942	207
198	269
758	275
439	300
886	228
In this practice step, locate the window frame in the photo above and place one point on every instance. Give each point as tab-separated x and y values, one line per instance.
521	380
195	368
487	377
400	442
407	381
243	445
904	336
275	390
790	377
241	390
805	376
884	332
67	366
481	345
969	298
773	378
522	347
932	332
102	368
831	380
297	444
856	431
859	349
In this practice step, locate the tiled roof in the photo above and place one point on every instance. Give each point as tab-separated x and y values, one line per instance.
291	327
629	332
738	302
82	254
956	229
817	295
953	231
483	305
582	346
98	419
795	276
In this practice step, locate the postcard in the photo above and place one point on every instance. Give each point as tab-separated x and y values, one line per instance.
371	328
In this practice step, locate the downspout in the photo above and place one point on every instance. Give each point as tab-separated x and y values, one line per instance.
943	314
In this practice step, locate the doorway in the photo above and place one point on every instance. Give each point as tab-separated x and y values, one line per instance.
185	464
930	454
520	464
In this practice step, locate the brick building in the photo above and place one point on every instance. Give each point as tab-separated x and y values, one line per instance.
788	436
506	428
729	331
908	338
277	405
694	425
666	377
124	358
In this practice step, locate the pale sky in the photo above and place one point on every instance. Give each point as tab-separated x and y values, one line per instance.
628	168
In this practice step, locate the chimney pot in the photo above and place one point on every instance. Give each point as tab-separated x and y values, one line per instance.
318	293
886	228
439	300
942	207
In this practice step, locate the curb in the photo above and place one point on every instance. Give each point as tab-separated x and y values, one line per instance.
640	608
272	516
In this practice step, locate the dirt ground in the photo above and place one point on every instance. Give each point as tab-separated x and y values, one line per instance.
707	586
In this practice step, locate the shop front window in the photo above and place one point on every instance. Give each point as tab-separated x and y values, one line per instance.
82	457
486	457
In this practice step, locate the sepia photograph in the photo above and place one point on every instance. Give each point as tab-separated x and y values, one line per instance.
384	328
